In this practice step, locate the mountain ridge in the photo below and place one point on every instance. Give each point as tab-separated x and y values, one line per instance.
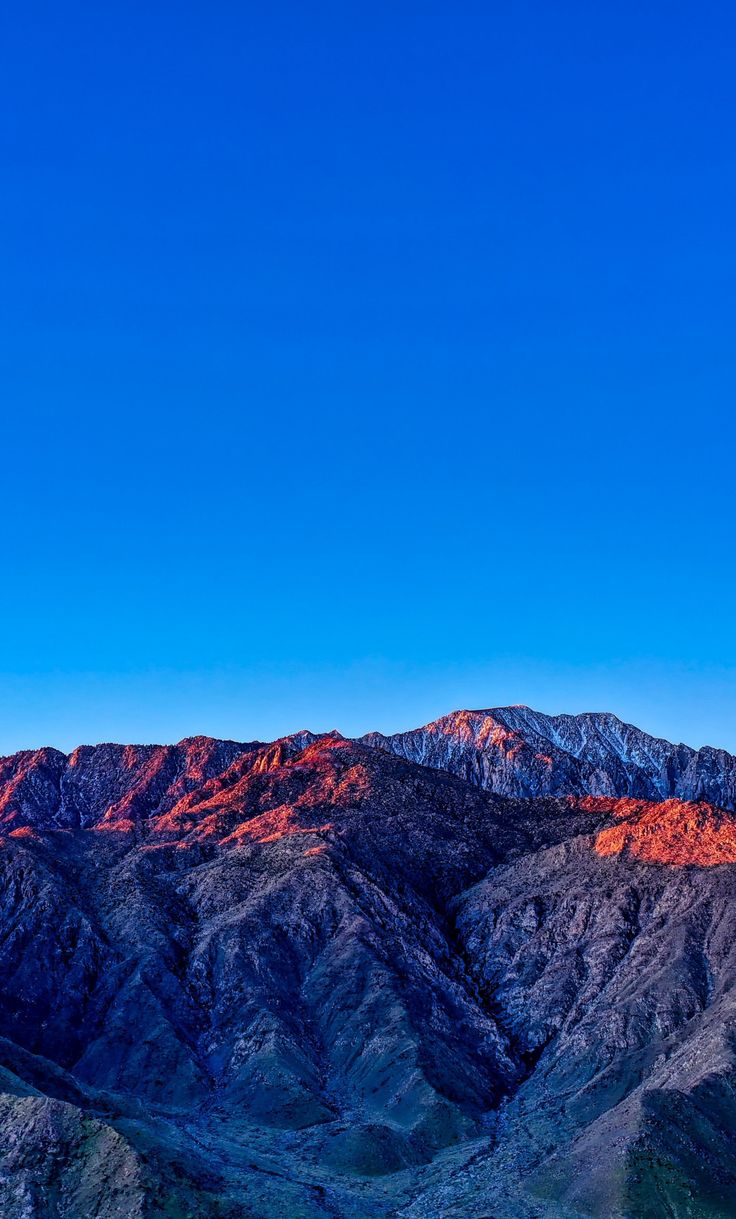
512	750
315	978
521	752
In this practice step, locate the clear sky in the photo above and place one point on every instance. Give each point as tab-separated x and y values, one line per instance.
363	361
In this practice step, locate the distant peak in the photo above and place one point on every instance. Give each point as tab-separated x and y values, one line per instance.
517	751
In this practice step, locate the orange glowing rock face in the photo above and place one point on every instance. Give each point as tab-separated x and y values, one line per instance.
265	799
491	735
198	792
674	832
279	823
15	772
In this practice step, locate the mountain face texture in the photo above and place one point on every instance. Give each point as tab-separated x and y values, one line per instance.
515	751
332	978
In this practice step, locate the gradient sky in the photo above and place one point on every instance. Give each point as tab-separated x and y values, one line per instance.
364	361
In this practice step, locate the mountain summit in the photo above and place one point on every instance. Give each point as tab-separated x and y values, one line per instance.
519	752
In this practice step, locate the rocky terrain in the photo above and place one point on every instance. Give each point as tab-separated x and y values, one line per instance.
426	977
519	752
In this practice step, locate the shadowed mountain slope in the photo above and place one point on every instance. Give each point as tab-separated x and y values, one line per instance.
314	978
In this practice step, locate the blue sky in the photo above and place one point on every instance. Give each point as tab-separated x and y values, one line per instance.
359	362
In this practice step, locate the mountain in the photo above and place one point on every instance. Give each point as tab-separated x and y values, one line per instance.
313	978
519	752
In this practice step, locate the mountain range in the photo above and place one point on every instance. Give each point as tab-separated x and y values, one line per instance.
480	970
519	752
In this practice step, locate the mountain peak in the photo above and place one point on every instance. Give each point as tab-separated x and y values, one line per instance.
517	751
